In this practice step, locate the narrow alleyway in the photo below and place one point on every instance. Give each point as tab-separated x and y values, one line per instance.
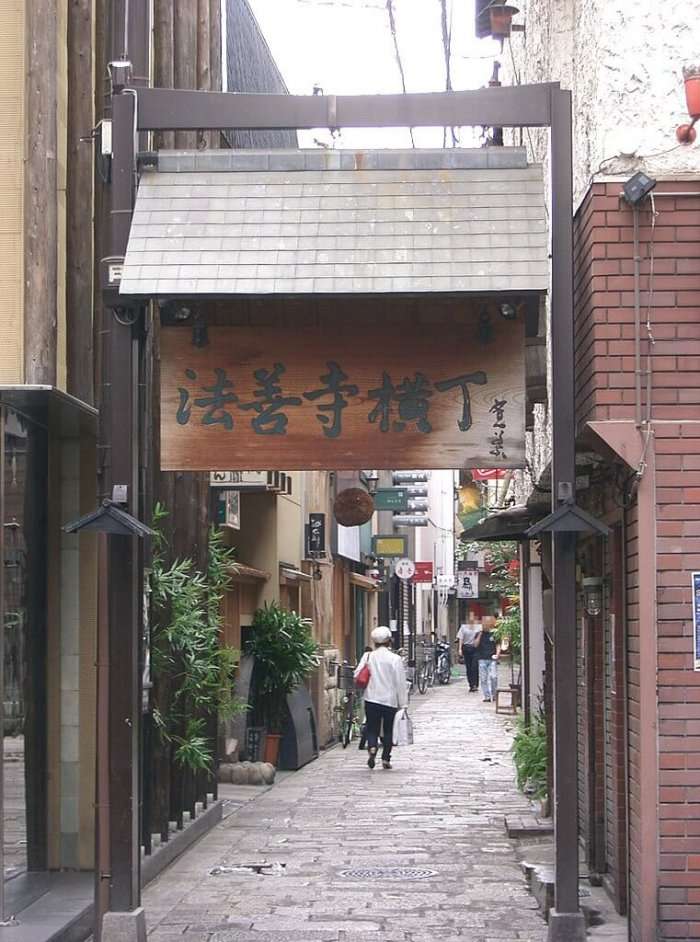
440	811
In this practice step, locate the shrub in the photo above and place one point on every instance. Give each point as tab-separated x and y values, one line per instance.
530	757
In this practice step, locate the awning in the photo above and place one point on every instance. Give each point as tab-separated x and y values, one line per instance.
315	222
291	576
242	573
61	414
509	524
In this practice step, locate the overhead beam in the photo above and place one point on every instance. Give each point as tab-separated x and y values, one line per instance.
168	109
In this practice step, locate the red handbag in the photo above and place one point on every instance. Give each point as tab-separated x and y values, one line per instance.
363	677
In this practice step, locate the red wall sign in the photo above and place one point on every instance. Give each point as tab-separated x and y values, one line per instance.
423	573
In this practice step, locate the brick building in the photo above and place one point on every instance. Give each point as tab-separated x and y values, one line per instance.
637	309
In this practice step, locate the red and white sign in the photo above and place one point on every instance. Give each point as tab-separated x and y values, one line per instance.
487	474
423	573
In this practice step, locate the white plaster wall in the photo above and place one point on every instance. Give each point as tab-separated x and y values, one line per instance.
623	63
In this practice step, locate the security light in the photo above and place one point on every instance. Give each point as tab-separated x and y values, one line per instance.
508	311
637	188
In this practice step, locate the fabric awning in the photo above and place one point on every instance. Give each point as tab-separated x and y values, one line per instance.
315	222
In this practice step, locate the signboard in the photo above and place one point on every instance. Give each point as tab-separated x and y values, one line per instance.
405	568
330	397
423	573
487	474
468	584
317	534
696	617
391	498
388	546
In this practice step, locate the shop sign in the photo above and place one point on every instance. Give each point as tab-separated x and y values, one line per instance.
391	498
317	535
696	617
423	573
261	397
405	568
468	584
388	546
229	509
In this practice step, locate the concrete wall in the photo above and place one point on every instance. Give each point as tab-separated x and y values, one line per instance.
622	62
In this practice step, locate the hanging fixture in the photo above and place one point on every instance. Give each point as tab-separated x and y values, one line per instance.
686	133
593	595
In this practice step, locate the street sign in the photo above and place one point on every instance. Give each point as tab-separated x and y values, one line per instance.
696	617
405	568
391	498
285	396
423	573
468	584
388	546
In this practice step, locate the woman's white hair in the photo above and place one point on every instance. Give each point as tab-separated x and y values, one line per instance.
381	635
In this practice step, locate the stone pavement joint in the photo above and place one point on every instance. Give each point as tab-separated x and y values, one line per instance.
441	808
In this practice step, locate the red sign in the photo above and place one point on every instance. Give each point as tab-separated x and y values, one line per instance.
423	573
487	474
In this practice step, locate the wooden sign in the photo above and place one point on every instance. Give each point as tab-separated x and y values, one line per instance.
333	397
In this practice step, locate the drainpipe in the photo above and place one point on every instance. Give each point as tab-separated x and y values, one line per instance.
637	321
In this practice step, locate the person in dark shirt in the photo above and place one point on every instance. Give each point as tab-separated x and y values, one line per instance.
488	652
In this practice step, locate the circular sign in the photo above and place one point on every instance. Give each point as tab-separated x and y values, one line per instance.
353	507
405	568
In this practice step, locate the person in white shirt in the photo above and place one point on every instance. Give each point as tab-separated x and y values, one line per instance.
385	694
466	638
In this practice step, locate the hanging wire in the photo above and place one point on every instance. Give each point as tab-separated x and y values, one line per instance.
446	25
397	53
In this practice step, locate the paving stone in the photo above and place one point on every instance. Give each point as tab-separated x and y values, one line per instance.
441	808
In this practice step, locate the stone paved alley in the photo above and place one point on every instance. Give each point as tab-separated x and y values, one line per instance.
441	808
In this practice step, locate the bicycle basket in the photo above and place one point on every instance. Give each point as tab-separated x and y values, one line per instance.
346	681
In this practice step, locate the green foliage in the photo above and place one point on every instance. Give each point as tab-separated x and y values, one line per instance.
186	647
509	628
285	653
530	757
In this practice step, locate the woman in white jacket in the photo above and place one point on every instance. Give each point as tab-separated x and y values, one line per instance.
385	693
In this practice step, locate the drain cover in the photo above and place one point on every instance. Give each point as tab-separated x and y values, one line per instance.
388	873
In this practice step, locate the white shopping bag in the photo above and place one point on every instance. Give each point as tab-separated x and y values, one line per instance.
403	729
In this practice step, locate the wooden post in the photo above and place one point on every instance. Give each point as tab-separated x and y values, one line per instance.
185	60
204	138
164	76
40	195
79	247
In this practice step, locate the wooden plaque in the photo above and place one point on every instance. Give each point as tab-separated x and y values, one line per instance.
332	397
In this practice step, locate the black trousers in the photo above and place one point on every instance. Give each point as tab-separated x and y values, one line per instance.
380	722
471	665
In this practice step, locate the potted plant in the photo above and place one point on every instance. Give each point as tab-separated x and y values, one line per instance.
285	654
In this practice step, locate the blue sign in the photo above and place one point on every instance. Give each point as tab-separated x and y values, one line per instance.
696	617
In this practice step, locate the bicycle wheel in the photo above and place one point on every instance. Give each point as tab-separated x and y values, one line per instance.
431	674
347	730
444	671
422	678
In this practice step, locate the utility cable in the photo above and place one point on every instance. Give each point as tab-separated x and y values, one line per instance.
397	53
447	53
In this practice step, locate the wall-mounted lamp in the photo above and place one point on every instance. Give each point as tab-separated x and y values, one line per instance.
501	15
593	595
637	188
370	479
508	310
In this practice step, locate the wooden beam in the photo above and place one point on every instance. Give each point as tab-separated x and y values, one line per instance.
181	110
79	247
40	195
203	60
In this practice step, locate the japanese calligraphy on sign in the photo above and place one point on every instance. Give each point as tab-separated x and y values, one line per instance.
277	397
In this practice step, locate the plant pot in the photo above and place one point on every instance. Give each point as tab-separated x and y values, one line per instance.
272	748
692	95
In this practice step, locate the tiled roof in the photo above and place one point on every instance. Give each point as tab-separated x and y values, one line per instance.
296	222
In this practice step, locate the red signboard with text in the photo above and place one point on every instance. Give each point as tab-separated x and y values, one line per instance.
423	573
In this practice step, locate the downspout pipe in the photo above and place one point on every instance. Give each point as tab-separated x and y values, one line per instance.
637	321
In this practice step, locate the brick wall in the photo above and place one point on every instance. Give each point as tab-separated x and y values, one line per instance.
605	390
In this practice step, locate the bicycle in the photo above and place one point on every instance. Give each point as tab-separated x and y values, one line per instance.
351	722
426	667
443	670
